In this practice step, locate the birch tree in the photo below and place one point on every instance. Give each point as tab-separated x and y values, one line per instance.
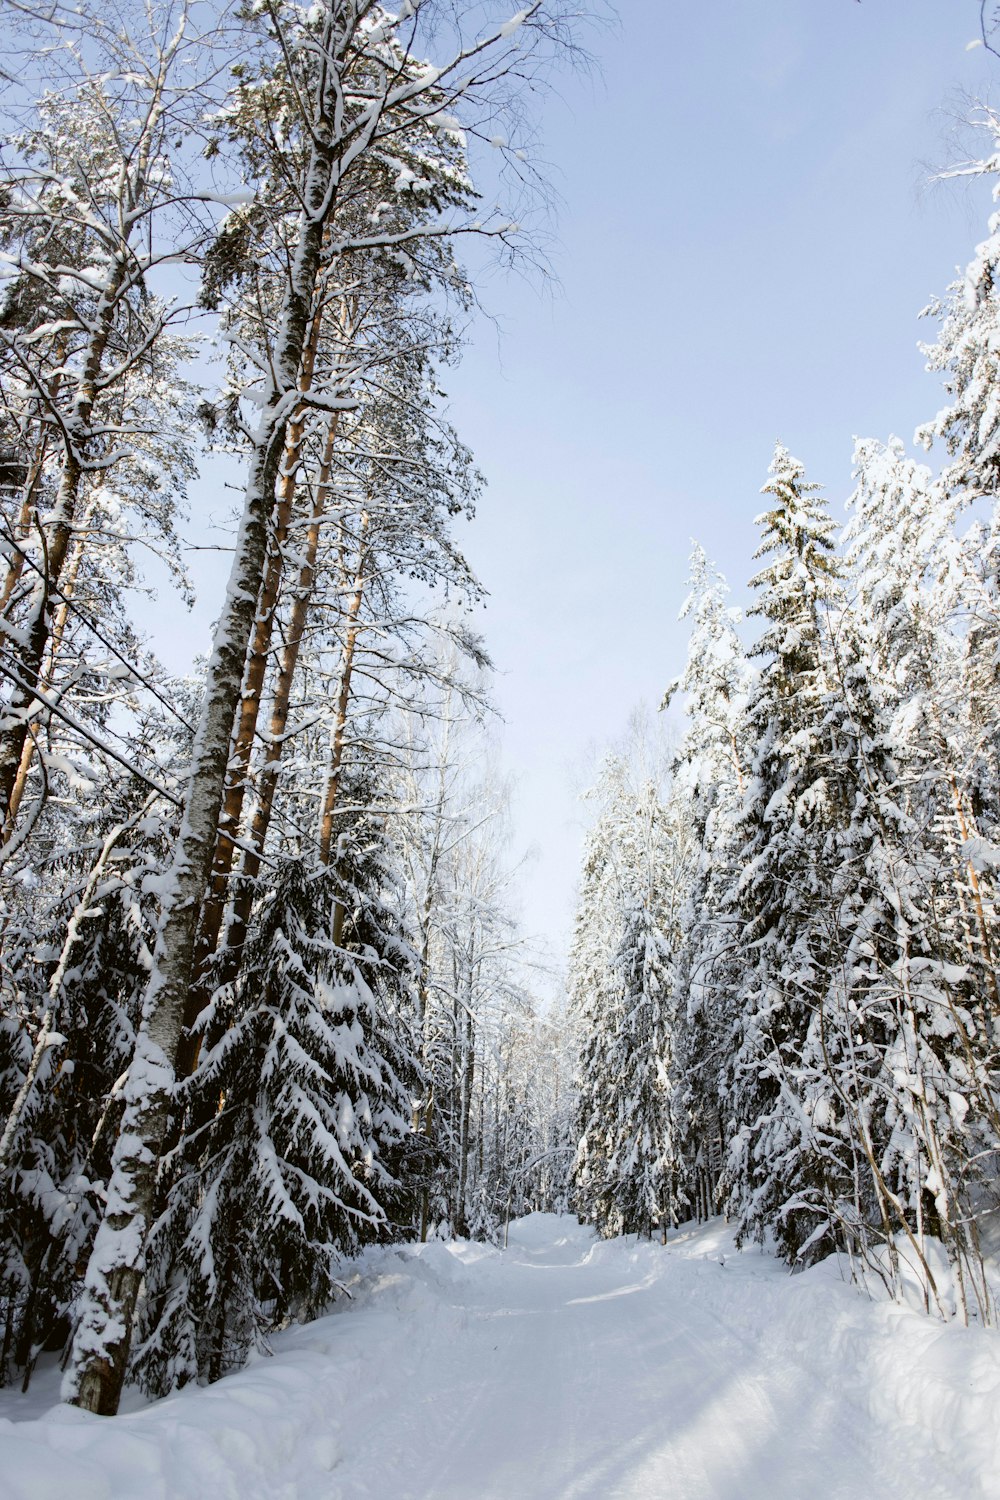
356	86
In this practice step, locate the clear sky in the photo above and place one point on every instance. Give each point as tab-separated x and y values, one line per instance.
747	233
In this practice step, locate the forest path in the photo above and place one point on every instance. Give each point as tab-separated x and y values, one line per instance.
568	1370
563	1368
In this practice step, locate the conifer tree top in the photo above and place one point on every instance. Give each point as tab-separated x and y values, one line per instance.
798	530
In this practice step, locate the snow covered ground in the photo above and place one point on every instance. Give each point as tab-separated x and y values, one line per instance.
562	1369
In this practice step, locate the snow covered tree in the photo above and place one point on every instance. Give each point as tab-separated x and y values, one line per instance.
917	977
366	492
965	353
781	1170
78	959
96	417
626	1176
95	431
709	780
357	88
626	1167
298	1109
480	1116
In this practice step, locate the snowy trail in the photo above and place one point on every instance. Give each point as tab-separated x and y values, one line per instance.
578	1374
562	1369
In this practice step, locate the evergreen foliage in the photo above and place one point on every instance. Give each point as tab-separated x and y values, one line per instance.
626	1172
296	1115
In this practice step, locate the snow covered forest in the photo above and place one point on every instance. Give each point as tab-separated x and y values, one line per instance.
260	1004
267	1004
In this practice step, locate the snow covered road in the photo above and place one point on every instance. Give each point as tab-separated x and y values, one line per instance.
571	1371
563	1369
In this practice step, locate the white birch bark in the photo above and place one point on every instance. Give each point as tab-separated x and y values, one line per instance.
339	131
96	1371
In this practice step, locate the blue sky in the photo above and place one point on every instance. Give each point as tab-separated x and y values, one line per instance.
747	234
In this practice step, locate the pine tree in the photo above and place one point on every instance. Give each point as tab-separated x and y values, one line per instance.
299	1106
965	352
640	1142
590	995
917	1092
80	955
96	419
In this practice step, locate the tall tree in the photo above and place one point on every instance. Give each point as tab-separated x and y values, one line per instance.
95	418
626	1175
710	779
357	87
780	1165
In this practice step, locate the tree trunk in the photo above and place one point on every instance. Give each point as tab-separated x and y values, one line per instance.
343	696
241	750
340	724
468	1075
107	1308
977	900
36	469
60	621
22	526
268	779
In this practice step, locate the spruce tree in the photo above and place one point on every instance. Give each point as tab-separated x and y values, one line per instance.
916	981
297	1114
782	1168
709	781
78	953
626	1175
